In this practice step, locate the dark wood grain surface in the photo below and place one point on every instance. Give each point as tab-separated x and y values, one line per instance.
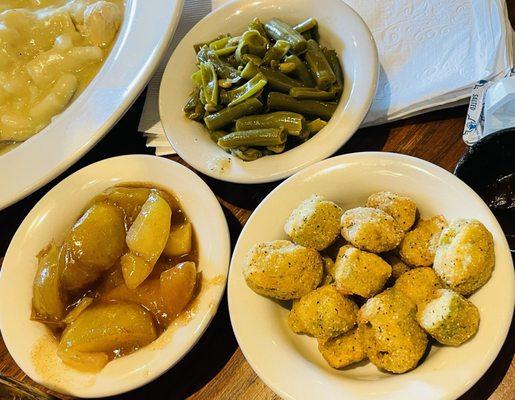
216	368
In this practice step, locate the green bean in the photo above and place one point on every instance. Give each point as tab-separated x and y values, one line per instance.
245	154
255	137
209	83
210	108
280	30
242	93
276	52
334	62
304	136
225	51
251	58
215	135
287	68
293	123
316	125
224	83
306	25
277	149
228	115
231	60
283	102
307	35
279	81
303	93
223	69
196	77
249	71
251	42
194	109
197	47
202	97
257	25
219	43
301	71
319	66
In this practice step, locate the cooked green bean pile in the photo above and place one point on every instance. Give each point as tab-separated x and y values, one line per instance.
267	90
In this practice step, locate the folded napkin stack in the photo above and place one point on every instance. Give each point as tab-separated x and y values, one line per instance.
432	52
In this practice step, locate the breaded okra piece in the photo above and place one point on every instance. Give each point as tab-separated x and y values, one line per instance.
465	256
359	272
371	229
343	350
418	247
418	284
390	334
323	313
314	223
282	270
401	208
449	318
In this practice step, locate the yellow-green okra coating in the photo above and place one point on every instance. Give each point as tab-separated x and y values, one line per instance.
371	229
282	269
449	318
418	247
314	223
328	270
401	208
418	284
359	272
391	336
465	256
323	313
399	267
343	350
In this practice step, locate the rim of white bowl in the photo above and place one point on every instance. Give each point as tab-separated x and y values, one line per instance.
277	387
164	365
317	148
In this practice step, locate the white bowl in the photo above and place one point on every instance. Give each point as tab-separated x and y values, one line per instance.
290	364
123	76
29	342
340	28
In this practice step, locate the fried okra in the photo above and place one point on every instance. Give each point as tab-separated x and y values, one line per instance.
323	313
418	284
282	269
314	223
328	270
390	334
419	245
371	229
398	266
465	256
343	350
359	272
402	209
449	318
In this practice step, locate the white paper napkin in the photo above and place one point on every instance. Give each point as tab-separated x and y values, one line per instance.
431	52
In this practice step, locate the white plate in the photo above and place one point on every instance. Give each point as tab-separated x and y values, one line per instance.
290	364
142	40
340	28
28	341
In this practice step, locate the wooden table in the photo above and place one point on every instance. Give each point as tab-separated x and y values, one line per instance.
215	368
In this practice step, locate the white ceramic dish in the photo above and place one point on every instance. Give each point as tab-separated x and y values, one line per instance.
29	342
290	364
340	28
142	40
